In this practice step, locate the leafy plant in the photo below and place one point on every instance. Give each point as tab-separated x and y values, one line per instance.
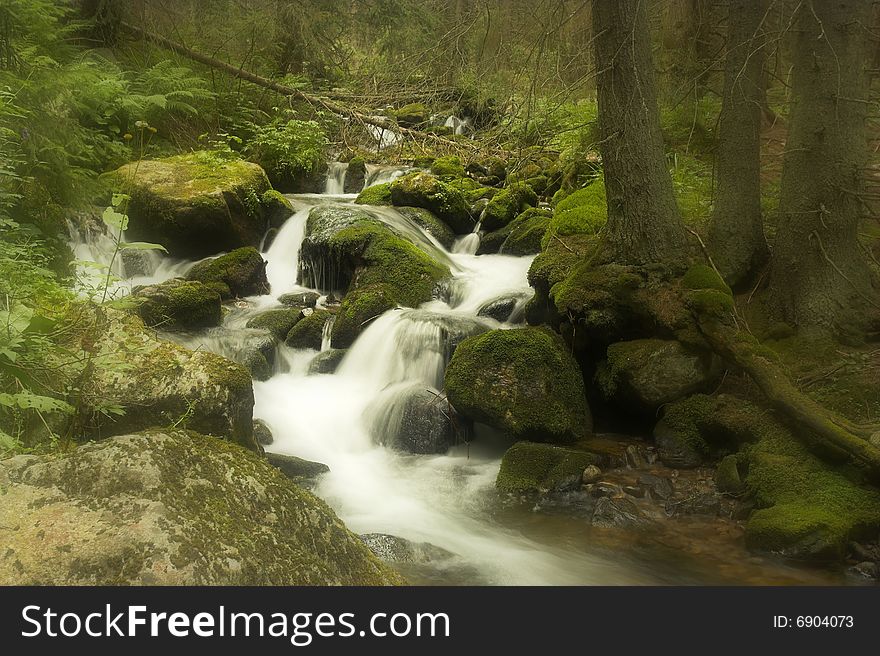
287	149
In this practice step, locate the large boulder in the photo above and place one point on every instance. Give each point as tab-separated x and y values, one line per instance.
178	305
533	467
138	381
239	273
170	508
198	204
645	374
523	382
426	191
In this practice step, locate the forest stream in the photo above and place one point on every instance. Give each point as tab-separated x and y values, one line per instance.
459	529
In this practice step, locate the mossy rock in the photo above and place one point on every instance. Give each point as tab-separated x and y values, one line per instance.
379	194
171	508
355	176
448	166
646	374
297	469
807	509
358	309
413	115
473	191
426	191
197	204
277	322
299	300
160	384
308	331
326	362
727	476
178	305
522	236
700	276
243	272
506	205
430	224
533	467
523	382
276	207
256	363
582	212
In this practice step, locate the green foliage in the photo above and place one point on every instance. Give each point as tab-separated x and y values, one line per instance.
689	127
288	149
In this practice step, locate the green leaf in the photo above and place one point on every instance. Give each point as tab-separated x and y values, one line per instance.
115	220
119	199
141	246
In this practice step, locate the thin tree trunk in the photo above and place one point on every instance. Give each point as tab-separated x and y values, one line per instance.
736	233
820	277
644	223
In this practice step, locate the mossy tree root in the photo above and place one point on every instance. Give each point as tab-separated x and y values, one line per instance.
826	427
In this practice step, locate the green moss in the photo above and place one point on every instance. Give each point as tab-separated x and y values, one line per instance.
434	226
807	509
521	381
449	165
307	333
525	232
179	304
275	207
507	204
242	270
727	477
358	308
532	467
700	276
424	190
413	115
379	194
711	302
582	212
471	189
277	322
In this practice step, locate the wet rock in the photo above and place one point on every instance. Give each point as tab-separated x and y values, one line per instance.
646	374
523	382
499	309
299	299
619	513
196	206
255	362
308	332
136	262
277	322
242	272
412	419
659	487
262	433
394	549
866	572
534	467
170	508
705	503
355	175
297	469
178	305
635	458
327	361
591	474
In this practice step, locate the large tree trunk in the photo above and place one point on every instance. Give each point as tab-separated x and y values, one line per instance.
819	277
736	234
644	223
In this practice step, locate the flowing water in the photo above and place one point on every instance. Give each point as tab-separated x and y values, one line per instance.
448	501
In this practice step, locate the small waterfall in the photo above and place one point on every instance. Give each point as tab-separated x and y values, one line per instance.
468	244
458	125
327	334
282	268
335	183
384	138
379	174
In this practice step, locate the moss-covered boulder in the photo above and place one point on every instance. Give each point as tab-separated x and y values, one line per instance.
326	362
413	115
727	476
277	322
645	374
355	175
426	191
377	268
197	204
534	467
507	204
178	305
276	207
430	224
522	236
138	381
242	272
379	194
582	212
170	508
523	382
308	332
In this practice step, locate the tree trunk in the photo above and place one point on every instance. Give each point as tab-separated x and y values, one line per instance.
736	234
819	277
644	223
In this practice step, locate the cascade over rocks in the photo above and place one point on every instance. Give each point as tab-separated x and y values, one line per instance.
522	382
170	508
196	205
